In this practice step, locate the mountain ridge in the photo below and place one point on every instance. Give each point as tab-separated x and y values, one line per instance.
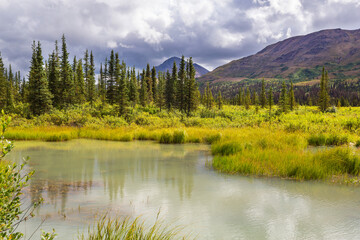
298	57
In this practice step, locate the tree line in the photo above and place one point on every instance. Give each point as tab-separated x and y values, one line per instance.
57	83
286	100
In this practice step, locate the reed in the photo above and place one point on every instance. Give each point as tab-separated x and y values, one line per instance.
127	229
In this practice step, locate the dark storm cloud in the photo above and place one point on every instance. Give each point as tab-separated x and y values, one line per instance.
212	32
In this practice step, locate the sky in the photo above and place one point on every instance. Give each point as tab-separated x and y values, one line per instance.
213	32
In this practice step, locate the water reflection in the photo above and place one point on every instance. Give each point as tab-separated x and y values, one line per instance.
81	178
73	167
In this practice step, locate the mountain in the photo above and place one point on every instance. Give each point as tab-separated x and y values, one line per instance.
168	64
298	58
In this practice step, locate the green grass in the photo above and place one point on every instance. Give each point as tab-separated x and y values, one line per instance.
127	229
242	141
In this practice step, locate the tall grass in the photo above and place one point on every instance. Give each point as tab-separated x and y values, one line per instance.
127	229
242	141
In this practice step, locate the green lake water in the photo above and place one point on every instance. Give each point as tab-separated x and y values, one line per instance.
83	179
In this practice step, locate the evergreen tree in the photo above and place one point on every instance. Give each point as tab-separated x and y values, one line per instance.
291	97
180	85
154	84
240	98
170	87
209	97
263	94
190	88
283	100
149	83
91	93
247	101
219	100
10	91
143	91
133	88
111	81
67	84
256	102
80	93
123	89
102	85
54	76
3	85
324	98
24	90
161	90
39	94
271	100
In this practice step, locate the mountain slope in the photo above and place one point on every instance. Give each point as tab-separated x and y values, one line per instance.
299	58
168	64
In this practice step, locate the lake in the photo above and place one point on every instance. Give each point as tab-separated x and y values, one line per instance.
81	180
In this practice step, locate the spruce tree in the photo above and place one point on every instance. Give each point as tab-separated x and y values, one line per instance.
102	85
209	97
3	85
247	101
256	102
39	94
240	102
9	91
170	87
111	81
123	90
283	100
291	97
24	90
67	84
54	76
324	91
81	93
149	83
143	90
161	90
263	94
154	83
219	100
271	101
133	88
190	88
169	95
180	85
91	93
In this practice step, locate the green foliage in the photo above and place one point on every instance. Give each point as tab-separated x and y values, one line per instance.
12	182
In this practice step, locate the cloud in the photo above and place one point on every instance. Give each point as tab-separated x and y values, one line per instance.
211	31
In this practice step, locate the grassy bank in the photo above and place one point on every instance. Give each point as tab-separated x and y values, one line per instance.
243	141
